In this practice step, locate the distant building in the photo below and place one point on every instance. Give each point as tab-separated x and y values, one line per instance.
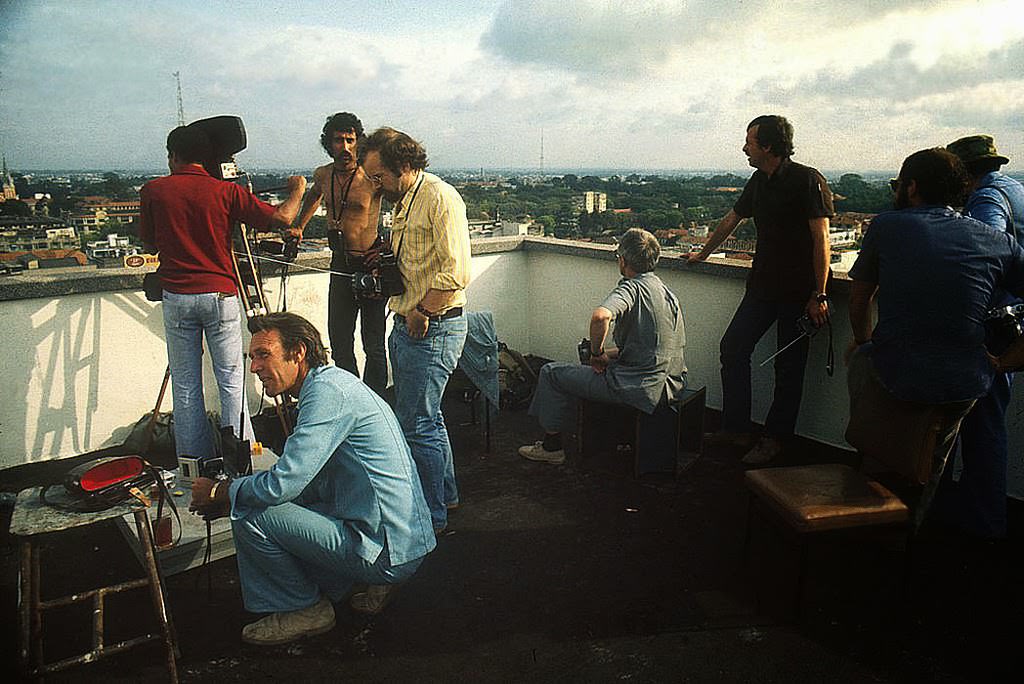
698	229
484	228
7	182
843	261
13	262
520	226
39	203
28	233
114	247
842	236
93	211
591	202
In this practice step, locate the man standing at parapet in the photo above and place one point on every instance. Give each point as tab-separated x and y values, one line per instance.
353	207
430	236
978	504
791	205
188	217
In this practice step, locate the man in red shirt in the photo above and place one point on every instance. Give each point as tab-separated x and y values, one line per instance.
187	216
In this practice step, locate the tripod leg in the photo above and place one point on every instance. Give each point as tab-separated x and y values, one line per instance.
147	437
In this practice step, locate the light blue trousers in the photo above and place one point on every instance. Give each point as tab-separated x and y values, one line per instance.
289	556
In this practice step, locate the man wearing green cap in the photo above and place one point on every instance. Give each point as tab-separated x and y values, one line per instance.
978	504
995	198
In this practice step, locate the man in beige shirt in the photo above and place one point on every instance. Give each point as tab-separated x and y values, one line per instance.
430	236
353	205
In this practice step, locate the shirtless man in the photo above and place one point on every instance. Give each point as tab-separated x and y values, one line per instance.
353	206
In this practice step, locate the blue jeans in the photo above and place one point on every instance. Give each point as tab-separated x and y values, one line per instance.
187	318
289	556
421	368
977	504
750	322
559	384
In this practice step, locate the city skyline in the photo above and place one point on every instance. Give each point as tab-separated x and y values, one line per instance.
645	86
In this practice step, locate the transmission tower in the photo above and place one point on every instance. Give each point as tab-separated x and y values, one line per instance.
181	109
541	151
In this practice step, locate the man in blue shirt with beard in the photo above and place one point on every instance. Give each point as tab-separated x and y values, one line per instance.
935	274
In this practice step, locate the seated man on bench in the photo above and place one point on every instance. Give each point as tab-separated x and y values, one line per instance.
644	369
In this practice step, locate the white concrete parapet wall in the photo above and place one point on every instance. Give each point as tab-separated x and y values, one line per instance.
82	363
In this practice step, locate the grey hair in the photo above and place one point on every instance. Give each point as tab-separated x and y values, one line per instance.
639	249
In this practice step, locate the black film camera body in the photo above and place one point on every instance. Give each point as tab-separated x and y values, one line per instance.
583	349
1003	327
287	249
235	459
227	138
384	281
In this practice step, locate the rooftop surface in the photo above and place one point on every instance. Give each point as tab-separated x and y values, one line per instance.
577	573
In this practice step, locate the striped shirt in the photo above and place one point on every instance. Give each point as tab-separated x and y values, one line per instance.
430	235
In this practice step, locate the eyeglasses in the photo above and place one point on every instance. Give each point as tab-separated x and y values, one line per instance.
894	183
377	179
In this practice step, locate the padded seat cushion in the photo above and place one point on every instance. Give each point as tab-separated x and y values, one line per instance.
828	496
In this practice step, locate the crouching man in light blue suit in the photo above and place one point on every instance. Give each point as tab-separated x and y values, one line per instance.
342	506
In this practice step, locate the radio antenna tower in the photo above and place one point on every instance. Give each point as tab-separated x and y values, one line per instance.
542	151
181	109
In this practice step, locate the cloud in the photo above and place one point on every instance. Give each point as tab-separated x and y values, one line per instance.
898	78
590	37
628	39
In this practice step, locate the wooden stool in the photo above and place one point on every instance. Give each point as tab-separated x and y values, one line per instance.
819	499
654	441
816	499
32	518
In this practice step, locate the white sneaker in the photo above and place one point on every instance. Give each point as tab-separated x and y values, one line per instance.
536	452
280	628
764	451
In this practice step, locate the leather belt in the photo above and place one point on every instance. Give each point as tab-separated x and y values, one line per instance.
450	313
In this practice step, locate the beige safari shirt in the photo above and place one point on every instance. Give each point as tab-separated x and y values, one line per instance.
430	235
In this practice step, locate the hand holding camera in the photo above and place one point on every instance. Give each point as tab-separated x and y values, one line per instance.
599	362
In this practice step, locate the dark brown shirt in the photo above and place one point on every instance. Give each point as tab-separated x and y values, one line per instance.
781	206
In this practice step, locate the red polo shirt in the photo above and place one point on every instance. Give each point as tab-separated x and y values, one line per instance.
188	216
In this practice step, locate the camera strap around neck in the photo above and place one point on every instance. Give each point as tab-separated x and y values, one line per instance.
336	211
408	208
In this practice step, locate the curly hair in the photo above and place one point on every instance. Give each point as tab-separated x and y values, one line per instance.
342	122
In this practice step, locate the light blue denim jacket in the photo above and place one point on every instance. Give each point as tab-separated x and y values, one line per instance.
348	460
989	204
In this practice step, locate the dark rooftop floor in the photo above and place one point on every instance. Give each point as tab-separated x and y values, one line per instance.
573	573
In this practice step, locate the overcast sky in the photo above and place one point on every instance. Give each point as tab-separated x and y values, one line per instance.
624	84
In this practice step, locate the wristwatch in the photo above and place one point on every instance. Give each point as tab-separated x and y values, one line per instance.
821	297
